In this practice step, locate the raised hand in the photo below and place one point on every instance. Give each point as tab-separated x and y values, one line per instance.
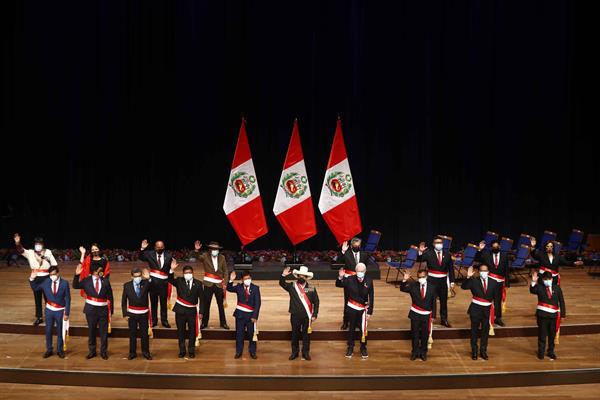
482	245
341	273
345	246
406	275
197	245
579	262
78	269
17	238
144	244
286	271
368	317
470	272
534	276
145	273
174	264
422	247
82	250
232	276
533	241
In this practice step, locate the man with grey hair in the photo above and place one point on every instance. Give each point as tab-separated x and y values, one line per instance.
350	259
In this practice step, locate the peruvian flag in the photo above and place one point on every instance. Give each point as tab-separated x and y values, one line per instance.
338	202
243	205
293	204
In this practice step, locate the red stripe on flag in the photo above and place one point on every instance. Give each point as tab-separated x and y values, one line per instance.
248	221
294	153
338	148
344	220
298	222
242	149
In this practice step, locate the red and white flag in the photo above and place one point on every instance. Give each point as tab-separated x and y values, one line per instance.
293	204
338	202
243	205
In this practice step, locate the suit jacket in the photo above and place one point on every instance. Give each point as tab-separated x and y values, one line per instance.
252	301
87	284
193	296
206	264
296	307
544	260
349	260
359	291
130	298
430	257
556	299
151	258
414	289
63	294
476	286
487	257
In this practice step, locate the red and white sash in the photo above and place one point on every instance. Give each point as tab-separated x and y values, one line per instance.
486	303
158	274
244	307
185	303
422	311
95	301
306	303
214	278
52	306
553	272
549	308
137	310
348	272
497	278
436	274
42	272
360	307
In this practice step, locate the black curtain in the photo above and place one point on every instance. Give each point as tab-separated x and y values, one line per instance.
119	118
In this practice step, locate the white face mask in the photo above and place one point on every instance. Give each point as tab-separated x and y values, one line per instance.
247	282
438	246
483	274
548	283
360	275
137	279
188	277
422	281
38	247
214	253
53	278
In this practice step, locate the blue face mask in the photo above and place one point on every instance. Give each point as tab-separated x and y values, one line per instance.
360	275
548	283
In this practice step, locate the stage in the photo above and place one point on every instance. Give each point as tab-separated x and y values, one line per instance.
512	351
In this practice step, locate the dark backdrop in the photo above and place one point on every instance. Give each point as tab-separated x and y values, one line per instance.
119	118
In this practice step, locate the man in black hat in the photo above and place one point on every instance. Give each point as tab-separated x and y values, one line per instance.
214	266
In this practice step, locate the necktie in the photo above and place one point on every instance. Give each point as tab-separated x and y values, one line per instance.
137	289
190	284
54	288
97	285
356	257
484	285
439	253
549	293
496	260
422	291
158	261
246	291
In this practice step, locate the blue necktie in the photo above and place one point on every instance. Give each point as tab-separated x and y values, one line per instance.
137	289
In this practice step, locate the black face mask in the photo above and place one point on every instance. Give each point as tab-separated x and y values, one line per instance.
160	251
95	253
495	250
301	281
355	249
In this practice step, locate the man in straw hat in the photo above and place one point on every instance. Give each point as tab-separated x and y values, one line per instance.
214	266
359	307
304	307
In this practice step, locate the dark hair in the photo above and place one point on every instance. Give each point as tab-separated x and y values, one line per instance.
438	238
245	274
38	239
135	270
53	268
484	265
94	244
547	275
421	270
549	242
188	268
495	241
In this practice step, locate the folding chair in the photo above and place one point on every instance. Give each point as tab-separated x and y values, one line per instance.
489	238
506	245
372	241
467	260
548	236
524	239
575	240
519	264
557	247
408	263
447	241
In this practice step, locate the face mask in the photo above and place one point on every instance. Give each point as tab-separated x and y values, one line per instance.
38	247
247	282
549	250
95	253
160	251
355	249
53	278
495	250
483	274
214	253
438	246
188	277
137	279
422	281
301	281
548	283
360	275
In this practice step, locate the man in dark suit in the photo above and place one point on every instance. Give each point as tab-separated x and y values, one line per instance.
483	290
359	306
350	259
498	264
159	263
134	305
58	306
189	300
440	272
423	298
303	309
246	312
550	310
214	267
99	306
550	262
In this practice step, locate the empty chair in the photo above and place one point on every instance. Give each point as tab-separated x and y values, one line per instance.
506	245
408	263
372	241
548	236
519	264
447	241
524	239
575	240
467	260
557	247
489	238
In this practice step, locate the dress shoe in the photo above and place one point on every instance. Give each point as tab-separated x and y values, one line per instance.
349	352
293	356
166	324
344	326
90	355
237	355
147	356
474	355
413	357
253	356
37	321
47	354
540	356
203	326
61	355
192	355
104	356
499	322
181	355
131	356
306	357
446	323
483	355
552	356
424	357
225	326
363	353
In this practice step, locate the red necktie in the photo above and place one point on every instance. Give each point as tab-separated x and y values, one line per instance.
158	261
422	291
247	293
549	293
484	286
54	288
496	260
440	258
98	285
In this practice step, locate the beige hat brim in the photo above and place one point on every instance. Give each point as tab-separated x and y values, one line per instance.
296	273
